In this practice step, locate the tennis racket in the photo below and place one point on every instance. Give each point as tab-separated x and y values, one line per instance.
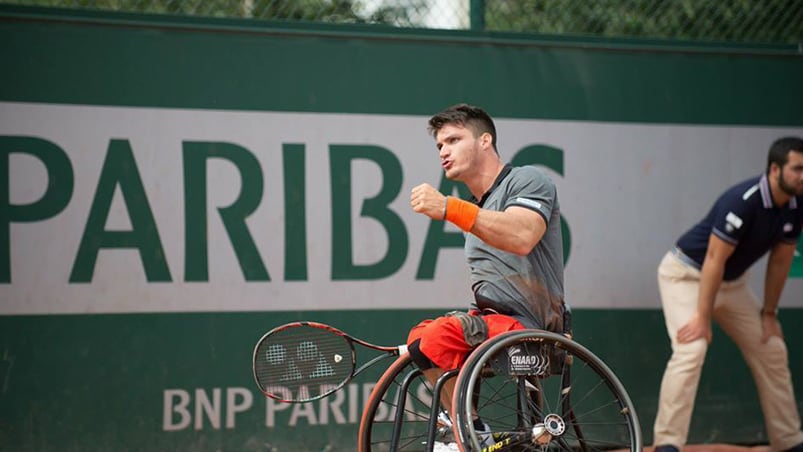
306	361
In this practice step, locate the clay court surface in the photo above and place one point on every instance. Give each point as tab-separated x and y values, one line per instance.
717	448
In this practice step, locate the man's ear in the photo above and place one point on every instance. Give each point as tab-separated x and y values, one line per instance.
486	139
775	168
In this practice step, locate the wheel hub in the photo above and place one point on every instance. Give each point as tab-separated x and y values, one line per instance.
552	426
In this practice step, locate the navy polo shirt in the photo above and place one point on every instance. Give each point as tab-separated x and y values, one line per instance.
745	217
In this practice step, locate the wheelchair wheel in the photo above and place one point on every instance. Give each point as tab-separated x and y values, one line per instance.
382	407
541	391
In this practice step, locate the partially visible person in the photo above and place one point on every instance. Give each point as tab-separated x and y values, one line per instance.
513	244
703	278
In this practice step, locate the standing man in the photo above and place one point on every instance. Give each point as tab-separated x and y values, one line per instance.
703	278
513	244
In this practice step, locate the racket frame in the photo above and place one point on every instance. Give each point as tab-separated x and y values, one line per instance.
393	351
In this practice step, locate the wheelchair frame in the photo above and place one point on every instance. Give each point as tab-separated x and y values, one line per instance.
556	395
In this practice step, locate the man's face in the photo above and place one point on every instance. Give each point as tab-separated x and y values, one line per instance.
458	150
790	177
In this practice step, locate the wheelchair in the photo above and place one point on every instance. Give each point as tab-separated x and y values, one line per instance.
536	390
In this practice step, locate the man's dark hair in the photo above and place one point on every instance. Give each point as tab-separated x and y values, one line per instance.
468	116
780	149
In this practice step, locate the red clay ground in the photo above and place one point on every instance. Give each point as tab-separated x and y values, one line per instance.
717	448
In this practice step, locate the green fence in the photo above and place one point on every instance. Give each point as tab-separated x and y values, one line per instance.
769	21
84	367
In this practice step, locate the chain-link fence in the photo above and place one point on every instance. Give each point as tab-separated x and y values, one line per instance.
757	21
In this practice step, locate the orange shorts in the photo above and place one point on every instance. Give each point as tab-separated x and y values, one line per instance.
442	339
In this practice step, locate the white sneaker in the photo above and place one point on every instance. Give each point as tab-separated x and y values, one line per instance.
485	436
444	419
444	432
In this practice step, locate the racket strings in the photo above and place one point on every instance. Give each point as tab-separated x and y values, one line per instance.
302	363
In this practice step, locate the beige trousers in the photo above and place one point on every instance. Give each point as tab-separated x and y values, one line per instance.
736	310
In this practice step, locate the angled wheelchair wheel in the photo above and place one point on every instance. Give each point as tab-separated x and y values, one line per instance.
541	391
382	410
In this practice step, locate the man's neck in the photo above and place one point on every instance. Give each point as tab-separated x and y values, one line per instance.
485	179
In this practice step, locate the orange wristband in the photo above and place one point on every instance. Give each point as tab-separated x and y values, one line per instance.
462	213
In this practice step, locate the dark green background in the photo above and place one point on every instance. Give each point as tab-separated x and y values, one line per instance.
130	60
95	382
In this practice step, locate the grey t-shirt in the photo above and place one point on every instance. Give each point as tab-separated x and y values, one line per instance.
529	288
